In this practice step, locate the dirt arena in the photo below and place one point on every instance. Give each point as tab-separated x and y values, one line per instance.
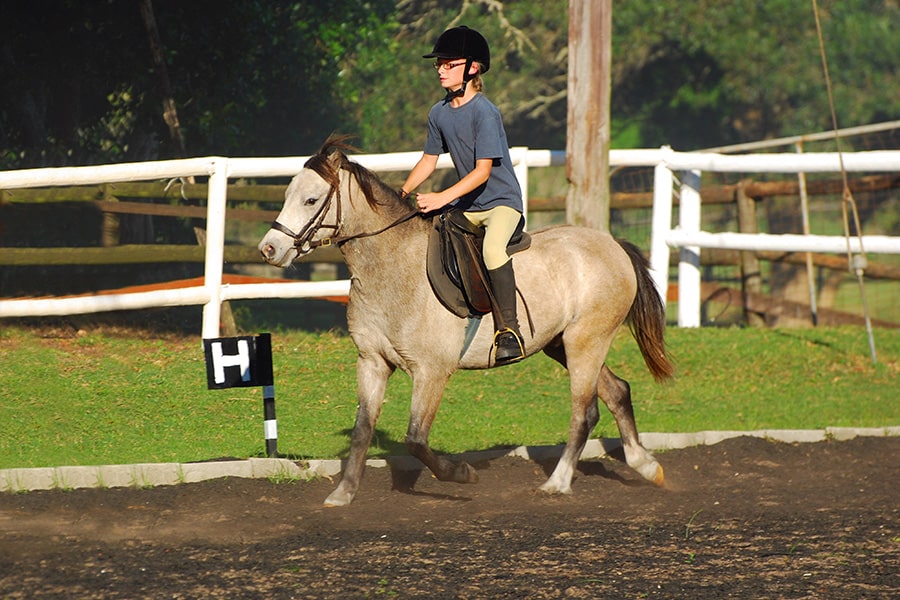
745	518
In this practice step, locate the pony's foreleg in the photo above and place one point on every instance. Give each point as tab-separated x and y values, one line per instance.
427	394
616	394
372	374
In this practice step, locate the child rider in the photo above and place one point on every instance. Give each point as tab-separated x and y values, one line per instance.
468	126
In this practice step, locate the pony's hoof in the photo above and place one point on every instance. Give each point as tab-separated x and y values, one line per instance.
551	489
465	473
659	479
338	498
652	471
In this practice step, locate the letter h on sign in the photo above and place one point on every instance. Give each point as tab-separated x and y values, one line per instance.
238	362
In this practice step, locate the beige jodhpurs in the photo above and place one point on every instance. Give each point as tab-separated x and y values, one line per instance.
499	225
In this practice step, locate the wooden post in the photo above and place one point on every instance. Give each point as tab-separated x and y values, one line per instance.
110	231
810	270
587	135
751	278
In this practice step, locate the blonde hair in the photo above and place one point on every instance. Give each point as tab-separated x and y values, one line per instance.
476	82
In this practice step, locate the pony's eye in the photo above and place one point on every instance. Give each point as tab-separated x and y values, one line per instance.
310	201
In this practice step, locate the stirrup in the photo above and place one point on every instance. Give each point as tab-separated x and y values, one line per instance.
505	352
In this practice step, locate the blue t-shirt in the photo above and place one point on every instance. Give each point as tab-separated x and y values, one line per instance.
469	133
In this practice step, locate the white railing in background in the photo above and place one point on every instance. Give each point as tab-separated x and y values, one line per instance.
687	236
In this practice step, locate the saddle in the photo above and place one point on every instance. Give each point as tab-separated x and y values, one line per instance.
455	264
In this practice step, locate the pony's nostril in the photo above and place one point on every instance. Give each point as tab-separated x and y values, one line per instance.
268	251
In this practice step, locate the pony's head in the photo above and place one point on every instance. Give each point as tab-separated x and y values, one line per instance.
311	214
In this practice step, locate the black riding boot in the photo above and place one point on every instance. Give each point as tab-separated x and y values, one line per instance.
507	338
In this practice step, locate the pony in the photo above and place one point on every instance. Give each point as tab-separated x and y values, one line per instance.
579	285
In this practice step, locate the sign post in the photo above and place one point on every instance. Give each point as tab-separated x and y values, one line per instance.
245	361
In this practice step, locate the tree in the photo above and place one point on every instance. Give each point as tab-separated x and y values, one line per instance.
258	79
702	73
271	77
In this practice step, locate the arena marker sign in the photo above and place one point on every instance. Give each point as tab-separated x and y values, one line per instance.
245	361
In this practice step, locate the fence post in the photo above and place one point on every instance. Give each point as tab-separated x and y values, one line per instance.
215	246
689	256
660	227
110	232
751	276
810	270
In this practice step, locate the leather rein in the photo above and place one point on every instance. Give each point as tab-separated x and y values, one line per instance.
303	241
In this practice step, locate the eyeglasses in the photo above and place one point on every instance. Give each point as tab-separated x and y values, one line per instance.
439	66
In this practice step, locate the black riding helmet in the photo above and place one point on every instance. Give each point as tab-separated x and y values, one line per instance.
462	42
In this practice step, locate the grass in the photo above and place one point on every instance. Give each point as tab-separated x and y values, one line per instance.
103	398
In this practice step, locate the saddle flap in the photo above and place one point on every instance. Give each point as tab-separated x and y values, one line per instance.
472	272
455	266
442	283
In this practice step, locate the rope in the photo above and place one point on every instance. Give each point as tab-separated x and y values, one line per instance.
848	205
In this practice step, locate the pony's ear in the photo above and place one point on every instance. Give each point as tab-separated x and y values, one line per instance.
336	158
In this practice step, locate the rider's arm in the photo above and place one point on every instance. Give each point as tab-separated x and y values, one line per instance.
475	178
422	171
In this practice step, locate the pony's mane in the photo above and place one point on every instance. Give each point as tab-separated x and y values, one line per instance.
325	165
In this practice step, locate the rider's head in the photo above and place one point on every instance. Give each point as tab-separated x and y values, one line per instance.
464	43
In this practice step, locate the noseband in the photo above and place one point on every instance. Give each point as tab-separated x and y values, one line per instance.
303	241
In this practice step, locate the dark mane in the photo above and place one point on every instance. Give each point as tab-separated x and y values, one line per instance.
325	165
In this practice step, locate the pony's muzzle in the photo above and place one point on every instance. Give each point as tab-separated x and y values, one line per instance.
274	254
267	251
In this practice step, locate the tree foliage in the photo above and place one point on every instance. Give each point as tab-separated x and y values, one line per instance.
726	72
266	77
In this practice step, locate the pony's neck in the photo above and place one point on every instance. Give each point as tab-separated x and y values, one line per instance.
383	251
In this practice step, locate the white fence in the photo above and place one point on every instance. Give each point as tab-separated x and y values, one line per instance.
687	236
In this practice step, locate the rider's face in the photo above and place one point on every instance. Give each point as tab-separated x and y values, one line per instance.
450	72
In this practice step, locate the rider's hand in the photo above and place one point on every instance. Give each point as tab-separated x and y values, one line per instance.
431	201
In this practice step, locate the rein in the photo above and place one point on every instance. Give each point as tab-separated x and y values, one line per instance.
303	241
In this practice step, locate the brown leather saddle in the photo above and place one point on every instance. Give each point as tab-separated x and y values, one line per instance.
455	265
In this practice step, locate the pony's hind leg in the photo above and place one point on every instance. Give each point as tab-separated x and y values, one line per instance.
584	418
428	391
580	426
372	374
616	394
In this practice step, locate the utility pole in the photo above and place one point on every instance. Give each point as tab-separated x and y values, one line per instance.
587	135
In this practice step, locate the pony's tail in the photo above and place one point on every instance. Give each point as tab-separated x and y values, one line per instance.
647	317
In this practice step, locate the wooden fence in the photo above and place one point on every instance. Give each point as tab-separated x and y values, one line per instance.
152	199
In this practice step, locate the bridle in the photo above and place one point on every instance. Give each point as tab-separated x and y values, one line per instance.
303	242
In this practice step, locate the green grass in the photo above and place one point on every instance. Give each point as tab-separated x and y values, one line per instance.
111	398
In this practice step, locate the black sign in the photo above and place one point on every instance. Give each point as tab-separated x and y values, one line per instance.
244	361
